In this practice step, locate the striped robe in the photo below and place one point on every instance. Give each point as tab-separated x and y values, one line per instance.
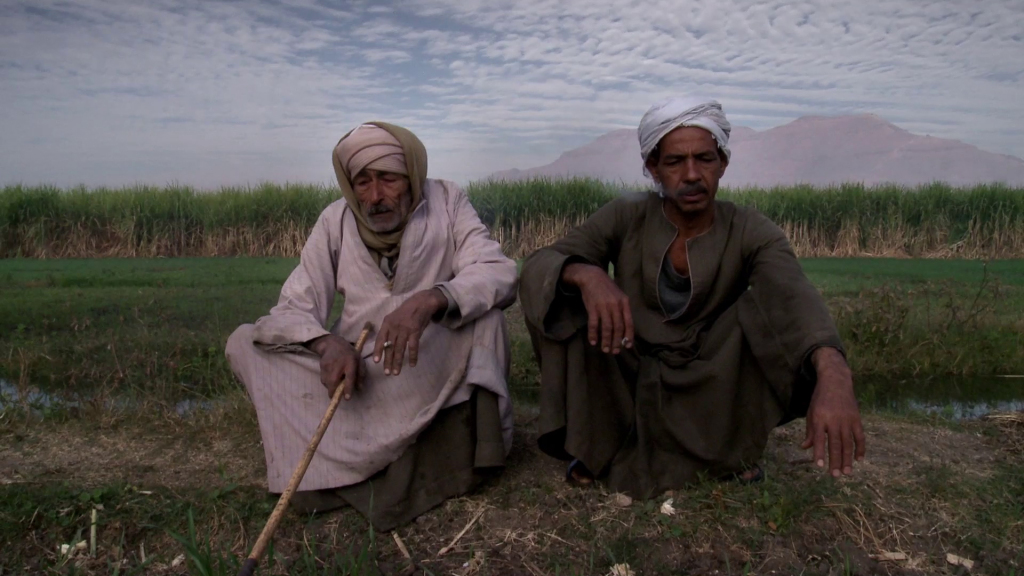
444	244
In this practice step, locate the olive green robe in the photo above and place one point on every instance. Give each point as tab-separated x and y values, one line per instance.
697	395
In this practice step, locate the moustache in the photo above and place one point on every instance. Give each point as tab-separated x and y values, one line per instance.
688	189
378	209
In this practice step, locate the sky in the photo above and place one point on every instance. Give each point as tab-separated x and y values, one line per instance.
212	93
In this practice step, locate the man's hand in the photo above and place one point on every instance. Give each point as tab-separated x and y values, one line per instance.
607	306
833	419
339	364
403	328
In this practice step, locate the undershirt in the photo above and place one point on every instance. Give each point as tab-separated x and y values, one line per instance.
674	289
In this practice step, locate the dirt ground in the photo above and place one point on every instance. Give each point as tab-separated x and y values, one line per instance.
531	522
170	456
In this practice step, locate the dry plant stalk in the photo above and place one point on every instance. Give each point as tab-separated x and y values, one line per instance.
982	241
1012	426
462	533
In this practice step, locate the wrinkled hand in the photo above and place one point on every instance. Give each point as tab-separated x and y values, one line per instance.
404	327
833	419
608	313
340	364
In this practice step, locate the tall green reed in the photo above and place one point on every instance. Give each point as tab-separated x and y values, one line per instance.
509	204
274	219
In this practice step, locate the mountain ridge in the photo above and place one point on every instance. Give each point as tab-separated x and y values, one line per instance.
814	150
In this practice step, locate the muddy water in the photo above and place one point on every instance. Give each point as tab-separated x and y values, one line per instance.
955	398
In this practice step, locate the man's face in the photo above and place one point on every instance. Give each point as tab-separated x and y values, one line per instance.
385	198
688	168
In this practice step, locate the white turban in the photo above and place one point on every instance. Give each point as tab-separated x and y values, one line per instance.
666	116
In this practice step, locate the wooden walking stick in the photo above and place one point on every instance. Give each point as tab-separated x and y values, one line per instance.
249	566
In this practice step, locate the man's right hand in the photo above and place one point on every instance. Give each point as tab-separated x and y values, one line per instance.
608	314
339	362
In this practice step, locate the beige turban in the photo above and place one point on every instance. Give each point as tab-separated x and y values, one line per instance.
388	148
372	147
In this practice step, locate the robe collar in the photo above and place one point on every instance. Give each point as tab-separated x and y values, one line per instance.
704	253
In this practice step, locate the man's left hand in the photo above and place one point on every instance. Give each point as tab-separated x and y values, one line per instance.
404	327
833	419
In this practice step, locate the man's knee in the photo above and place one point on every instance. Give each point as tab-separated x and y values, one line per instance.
494	319
490	330
239	344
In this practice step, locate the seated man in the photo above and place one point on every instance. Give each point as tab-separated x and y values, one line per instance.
431	413
708	337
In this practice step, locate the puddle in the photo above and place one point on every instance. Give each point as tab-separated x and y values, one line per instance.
954	398
965	411
10	397
191	405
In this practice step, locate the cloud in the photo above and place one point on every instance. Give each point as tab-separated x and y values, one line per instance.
111	92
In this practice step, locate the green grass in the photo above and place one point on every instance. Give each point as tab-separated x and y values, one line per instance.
145	273
152	331
152	327
59	513
156	328
837	275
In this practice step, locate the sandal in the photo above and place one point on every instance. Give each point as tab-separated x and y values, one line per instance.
756	475
578	474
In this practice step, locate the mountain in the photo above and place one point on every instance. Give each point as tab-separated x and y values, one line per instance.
818	150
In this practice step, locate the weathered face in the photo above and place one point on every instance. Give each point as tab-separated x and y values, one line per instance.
385	198
688	168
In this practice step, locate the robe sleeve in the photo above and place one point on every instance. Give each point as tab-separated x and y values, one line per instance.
546	302
307	296
786	317
484	278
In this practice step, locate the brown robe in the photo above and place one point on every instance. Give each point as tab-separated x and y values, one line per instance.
697	395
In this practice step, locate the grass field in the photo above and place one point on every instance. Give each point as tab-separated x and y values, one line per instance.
156	327
273	220
119	346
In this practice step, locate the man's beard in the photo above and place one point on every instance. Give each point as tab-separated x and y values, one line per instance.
383	219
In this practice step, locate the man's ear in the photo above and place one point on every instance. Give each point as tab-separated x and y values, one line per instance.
649	165
725	164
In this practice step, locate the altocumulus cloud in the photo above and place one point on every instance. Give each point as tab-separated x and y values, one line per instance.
108	92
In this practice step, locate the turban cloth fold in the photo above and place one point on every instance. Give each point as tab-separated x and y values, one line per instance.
372	147
666	116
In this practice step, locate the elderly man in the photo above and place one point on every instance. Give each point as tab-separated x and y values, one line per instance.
707	338
427	411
